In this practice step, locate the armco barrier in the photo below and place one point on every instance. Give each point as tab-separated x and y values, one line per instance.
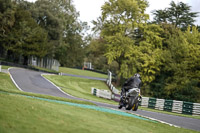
171	105
101	93
116	97
94	91
168	105
177	106
152	103
145	101
187	108
109	83
196	109
160	104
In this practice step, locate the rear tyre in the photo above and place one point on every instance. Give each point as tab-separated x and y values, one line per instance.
130	103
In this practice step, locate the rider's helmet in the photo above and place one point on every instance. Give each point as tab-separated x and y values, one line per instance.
137	75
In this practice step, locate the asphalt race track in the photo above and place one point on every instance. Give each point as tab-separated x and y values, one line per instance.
32	81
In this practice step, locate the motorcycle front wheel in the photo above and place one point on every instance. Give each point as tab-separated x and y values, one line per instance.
135	106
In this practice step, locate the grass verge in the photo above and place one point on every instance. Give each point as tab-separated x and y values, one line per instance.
5	67
170	113
45	69
21	115
81	72
79	87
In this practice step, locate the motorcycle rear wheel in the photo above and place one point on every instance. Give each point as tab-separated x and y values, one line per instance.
130	103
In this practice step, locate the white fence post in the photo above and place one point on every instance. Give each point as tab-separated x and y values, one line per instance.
0	68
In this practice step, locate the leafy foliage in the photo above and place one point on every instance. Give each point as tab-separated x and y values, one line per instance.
177	14
167	58
179	77
44	28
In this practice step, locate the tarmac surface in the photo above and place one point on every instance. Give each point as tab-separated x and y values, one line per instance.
32	81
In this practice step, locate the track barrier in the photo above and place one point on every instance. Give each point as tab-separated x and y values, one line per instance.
174	106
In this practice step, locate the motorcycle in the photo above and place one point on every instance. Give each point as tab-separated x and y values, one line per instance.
131	99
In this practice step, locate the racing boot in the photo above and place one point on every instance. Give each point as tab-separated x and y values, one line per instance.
120	103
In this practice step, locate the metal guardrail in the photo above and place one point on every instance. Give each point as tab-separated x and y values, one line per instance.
175	106
155	103
101	93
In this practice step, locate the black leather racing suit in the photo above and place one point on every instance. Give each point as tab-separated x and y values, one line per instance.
133	82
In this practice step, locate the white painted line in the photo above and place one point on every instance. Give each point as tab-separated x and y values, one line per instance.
150	118
69	94
13	79
54	84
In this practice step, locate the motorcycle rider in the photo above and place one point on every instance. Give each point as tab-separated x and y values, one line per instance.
133	82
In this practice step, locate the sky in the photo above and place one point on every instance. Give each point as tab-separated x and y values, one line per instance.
91	9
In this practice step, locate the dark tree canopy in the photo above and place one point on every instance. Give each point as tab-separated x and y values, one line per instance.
178	14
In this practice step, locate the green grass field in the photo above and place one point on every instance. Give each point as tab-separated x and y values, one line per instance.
4	67
19	114
80	87
81	72
6	83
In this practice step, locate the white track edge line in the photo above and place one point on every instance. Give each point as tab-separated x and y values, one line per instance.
13	79
54	84
69	94
151	118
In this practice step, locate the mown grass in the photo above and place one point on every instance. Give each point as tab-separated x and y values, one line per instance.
4	67
80	87
45	69
6	83
81	72
20	114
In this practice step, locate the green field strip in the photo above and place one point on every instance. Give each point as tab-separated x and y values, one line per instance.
101	109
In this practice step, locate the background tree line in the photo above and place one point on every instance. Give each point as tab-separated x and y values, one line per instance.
46	28
165	51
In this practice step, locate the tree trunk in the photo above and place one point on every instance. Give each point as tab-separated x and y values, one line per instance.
25	61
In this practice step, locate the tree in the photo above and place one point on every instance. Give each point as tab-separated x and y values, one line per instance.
46	14
178	78
119	20
60	20
26	37
178	14
7	20
132	43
